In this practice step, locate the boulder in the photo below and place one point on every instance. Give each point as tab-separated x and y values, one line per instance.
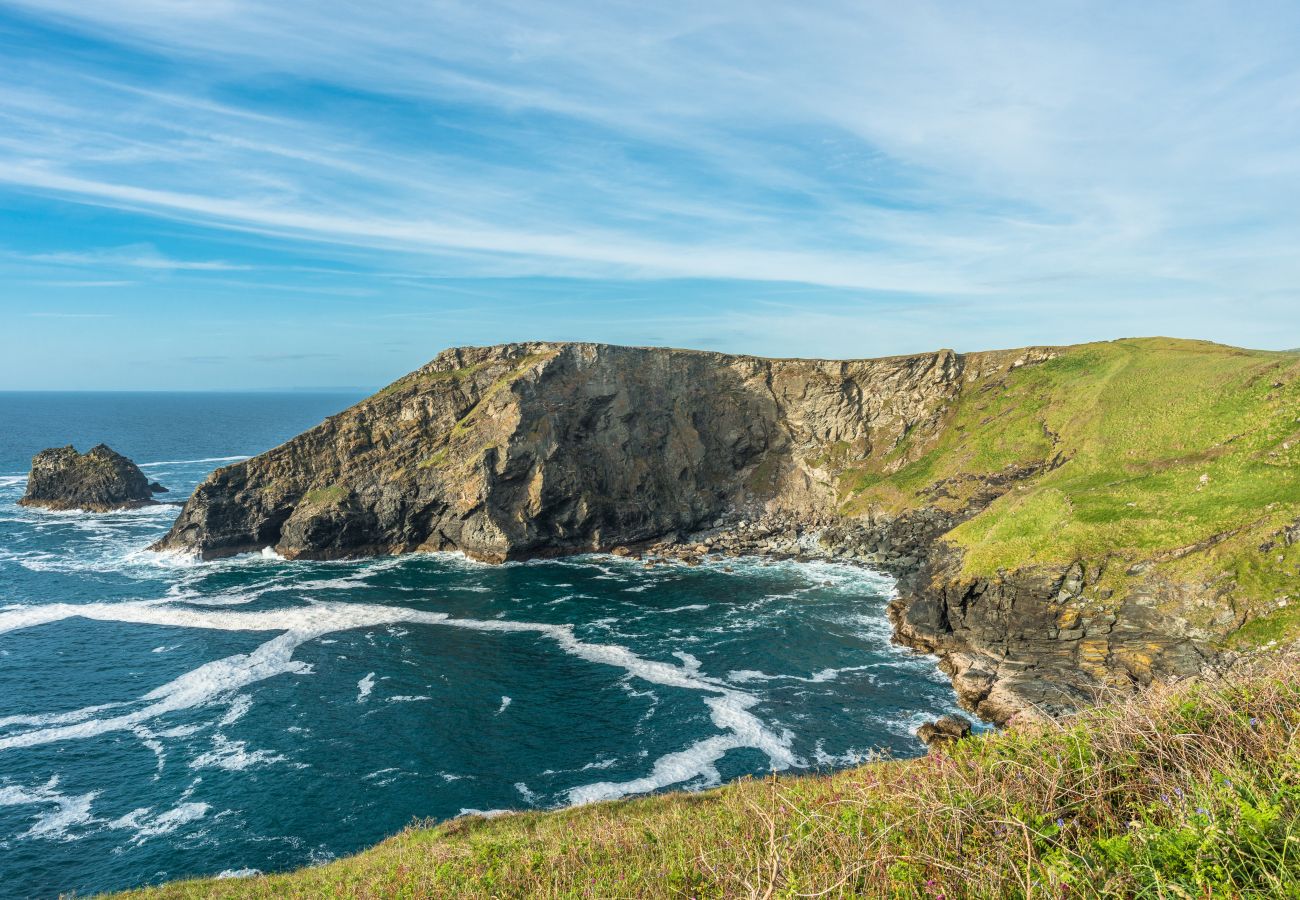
944	730
99	480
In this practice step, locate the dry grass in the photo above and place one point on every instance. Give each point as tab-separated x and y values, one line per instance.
1186	791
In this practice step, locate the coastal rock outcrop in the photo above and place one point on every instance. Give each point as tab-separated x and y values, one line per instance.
944	731
98	480
535	449
1044	550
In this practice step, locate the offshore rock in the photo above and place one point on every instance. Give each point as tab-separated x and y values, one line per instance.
99	480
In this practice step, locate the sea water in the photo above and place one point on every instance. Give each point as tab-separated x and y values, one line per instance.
162	717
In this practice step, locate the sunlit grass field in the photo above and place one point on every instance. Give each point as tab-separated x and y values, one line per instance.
1184	455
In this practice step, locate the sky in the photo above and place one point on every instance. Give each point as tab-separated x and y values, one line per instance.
254	194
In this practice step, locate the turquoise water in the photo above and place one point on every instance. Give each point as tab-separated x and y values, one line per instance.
161	717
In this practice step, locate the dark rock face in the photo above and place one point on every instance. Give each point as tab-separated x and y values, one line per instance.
98	480
534	449
1043	641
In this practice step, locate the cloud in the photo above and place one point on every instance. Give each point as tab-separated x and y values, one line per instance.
607	251
83	283
943	170
141	256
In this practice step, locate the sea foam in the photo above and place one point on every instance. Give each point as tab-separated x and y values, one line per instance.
223	677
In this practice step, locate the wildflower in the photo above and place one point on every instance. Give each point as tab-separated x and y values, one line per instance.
1060	823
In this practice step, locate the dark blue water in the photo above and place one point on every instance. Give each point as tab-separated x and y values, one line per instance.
161	717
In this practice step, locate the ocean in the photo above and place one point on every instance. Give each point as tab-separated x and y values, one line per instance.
162	717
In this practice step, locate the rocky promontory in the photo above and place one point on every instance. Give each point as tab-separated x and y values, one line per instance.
1062	521
99	480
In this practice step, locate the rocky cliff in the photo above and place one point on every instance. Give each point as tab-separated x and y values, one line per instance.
98	480
531	449
1062	520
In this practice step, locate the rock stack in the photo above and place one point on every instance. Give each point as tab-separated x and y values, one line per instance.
99	480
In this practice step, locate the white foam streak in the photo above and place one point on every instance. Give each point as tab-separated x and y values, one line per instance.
729	708
238	873
186	462
364	687
146	826
232	756
68	810
745	676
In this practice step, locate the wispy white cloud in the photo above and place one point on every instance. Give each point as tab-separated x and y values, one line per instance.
140	256
1009	161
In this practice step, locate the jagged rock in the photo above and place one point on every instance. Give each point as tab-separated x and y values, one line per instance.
944	730
535	449
156	488
99	480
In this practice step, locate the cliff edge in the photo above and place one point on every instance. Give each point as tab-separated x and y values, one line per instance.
1062	520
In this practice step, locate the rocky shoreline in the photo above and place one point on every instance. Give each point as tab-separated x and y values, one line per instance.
983	685
530	450
999	672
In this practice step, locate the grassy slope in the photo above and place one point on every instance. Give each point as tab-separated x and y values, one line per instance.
1168	443
1188	791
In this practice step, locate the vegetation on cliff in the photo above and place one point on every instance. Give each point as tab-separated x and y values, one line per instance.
1167	461
1189	790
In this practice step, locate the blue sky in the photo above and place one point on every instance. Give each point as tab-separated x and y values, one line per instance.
260	194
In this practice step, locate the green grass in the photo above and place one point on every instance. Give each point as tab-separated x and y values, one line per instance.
417	379
1190	790
434	460
326	496
1165	444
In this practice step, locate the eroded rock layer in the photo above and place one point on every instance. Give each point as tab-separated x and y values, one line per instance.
527	449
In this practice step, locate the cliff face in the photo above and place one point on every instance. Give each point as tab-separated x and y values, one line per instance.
1062	520
526	449
98	480
1050	637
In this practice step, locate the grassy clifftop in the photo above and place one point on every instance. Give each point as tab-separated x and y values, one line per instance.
1179	458
1190	790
